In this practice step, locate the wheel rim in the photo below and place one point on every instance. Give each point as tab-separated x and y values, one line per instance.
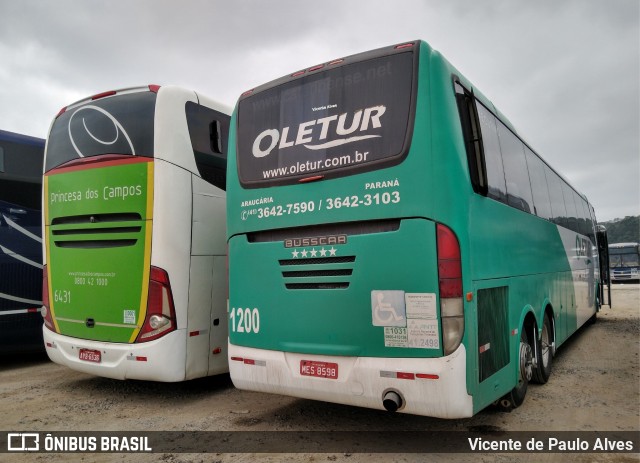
545	345
526	362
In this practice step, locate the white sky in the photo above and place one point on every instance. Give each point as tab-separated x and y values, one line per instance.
565	72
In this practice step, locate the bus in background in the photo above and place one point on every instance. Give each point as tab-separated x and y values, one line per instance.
134	217
624	261
20	242
394	244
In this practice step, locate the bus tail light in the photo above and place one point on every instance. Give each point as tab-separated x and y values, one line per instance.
450	284
46	312
161	314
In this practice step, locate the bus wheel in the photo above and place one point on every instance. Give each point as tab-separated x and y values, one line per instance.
525	372
545	352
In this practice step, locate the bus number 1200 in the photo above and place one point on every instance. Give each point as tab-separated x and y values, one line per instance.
248	321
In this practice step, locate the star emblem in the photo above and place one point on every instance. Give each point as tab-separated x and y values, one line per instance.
295	253
304	253
323	252
314	253
332	251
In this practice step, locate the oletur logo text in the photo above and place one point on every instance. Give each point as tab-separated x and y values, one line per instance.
311	133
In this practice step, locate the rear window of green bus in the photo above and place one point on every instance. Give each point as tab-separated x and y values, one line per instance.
345	120
121	124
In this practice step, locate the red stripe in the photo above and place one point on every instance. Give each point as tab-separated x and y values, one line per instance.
104	160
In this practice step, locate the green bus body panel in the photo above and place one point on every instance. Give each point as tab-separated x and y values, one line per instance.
332	321
103	281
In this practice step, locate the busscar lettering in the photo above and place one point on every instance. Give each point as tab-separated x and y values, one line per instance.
315	241
309	132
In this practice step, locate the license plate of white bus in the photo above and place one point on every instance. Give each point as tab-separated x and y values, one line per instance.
89	355
319	369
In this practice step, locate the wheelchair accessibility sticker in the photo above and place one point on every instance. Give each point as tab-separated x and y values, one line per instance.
410	320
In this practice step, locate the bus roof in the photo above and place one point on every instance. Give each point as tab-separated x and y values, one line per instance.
20	138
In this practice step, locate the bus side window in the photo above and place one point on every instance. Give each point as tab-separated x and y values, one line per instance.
493	159
208	130
215	136
472	138
515	170
1	159
539	187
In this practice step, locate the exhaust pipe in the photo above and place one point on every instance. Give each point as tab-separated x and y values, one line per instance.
392	401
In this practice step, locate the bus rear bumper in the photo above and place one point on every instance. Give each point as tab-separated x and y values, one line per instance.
159	360
431	387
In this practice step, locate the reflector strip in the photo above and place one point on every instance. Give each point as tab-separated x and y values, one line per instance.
299	73
397	375
13	312
217	350
485	348
237	359
426	376
514	332
52	345
137	358
315	68
258	363
197	333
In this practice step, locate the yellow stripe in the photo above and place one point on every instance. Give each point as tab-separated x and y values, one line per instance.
47	228
142	313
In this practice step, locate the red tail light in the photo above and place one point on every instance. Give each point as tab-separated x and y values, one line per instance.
161	313
449	270
450	283
46	312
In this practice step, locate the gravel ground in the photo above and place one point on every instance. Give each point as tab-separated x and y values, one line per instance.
595	385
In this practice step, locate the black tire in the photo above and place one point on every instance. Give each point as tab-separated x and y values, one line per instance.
545	352
525	370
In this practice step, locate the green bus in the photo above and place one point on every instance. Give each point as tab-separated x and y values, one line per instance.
395	244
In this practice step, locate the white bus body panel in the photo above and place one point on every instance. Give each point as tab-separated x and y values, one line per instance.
359	380
171	238
164	357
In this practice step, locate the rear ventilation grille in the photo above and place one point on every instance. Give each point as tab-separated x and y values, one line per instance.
95	244
320	260
318	273
96	218
97	231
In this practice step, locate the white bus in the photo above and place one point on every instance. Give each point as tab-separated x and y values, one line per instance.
135	278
